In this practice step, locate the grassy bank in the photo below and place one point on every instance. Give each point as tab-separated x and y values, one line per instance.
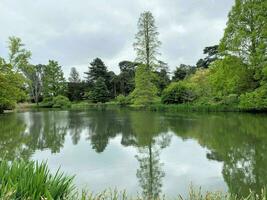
153	107
33	181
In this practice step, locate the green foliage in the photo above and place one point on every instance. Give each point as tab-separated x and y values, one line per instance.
76	91
145	91
54	83
246	33
182	72
177	93
97	69
147	42
10	86
256	100
122	100
99	92
56	102
18	56
212	55
61	102
126	77
30	180
230	76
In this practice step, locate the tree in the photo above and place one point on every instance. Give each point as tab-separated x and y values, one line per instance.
145	91
97	69
212	55
18	56
10	86
53	80
126	76
100	91
36	85
11	77
162	79
246	34
147	42
74	76
182	72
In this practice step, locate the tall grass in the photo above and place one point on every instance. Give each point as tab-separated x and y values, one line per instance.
22	180
33	180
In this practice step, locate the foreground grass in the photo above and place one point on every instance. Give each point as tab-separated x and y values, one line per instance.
33	181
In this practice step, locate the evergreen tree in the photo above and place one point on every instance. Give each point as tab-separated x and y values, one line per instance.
212	55
147	42
100	91
97	69
54	83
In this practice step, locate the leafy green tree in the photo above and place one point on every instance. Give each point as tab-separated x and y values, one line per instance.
10	86
246	33
212	55
100	91
230	76
147	42
145	91
18	56
54	83
12	80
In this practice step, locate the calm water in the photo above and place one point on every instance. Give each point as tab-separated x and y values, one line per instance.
144	152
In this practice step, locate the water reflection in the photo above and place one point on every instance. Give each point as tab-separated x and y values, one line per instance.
239	141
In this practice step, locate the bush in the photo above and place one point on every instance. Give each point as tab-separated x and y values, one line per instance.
122	100
61	102
254	101
47	102
178	92
56	102
231	99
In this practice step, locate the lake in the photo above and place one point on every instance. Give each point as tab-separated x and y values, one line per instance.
143	152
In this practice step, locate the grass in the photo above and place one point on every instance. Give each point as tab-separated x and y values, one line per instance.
22	180
33	180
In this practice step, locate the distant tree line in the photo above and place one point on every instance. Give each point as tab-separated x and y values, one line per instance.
232	73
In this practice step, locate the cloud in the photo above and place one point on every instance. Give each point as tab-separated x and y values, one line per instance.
75	32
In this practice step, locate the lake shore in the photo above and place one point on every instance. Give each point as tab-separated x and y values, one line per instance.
153	107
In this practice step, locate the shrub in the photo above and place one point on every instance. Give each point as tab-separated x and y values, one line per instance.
47	102
178	92
122	100
61	102
231	99
254	101
56	102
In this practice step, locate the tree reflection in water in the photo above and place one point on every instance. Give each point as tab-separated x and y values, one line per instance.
239	141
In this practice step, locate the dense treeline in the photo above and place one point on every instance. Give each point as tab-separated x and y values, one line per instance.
232	73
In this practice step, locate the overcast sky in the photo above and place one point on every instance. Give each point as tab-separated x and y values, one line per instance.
74	32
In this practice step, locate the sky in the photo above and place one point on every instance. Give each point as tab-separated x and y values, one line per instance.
74	32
